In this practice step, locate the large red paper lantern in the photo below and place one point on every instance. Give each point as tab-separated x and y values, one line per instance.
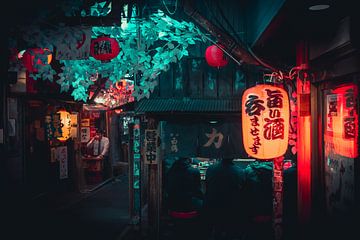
265	121
341	128
29	55
104	48
215	57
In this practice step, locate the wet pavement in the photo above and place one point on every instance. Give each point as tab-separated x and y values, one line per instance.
102	214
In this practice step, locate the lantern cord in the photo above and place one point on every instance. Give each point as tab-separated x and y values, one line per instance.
260	61
167	9
224	50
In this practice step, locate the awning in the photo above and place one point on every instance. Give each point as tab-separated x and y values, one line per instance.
95	107
160	105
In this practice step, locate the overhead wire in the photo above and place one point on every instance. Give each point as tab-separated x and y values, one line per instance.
167	9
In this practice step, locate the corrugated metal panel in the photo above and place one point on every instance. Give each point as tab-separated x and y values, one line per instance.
188	105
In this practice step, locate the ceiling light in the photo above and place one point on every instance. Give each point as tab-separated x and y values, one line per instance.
319	7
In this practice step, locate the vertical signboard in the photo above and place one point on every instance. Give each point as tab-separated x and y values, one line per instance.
136	166
341	147
151	137
62	158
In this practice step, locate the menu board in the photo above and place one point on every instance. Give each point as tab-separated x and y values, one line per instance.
340	148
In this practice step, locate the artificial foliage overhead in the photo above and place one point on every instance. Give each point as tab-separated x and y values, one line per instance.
148	47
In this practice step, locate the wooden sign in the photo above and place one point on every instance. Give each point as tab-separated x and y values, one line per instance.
151	137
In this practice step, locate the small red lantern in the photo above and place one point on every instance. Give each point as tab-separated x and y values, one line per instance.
104	48
29	58
215	57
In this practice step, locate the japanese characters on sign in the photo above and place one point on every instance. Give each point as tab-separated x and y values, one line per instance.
265	119
136	167
85	134
150	146
174	142
62	158
56	124
137	154
331	109
215	138
342	120
340	147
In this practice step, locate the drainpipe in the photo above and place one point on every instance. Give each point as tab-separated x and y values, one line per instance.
303	135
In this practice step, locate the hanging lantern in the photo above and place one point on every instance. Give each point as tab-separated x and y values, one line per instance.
120	85
118	111
215	57
265	121
342	120
65	118
29	58
104	48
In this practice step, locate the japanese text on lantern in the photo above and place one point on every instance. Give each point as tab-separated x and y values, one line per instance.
265	121
254	106
274	127
102	47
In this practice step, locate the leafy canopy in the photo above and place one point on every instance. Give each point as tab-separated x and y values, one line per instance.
148	47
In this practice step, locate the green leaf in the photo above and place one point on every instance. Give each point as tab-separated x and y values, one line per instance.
170	46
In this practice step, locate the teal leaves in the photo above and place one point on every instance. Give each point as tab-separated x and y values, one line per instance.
148	48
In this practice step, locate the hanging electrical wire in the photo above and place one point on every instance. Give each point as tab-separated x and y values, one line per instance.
167	9
222	49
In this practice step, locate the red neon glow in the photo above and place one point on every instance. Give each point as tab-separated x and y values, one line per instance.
29	58
303	154
118	111
341	129
265	121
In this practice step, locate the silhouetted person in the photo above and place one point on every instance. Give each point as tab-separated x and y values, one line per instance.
184	198
259	193
224	209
